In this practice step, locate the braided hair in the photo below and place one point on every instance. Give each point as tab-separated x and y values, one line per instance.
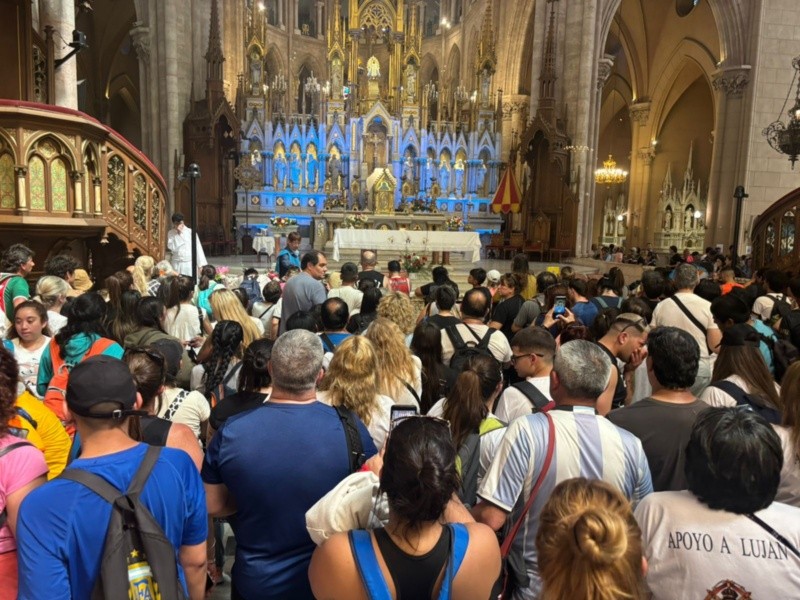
226	342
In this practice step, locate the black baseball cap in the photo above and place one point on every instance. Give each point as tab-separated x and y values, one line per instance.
173	353
99	380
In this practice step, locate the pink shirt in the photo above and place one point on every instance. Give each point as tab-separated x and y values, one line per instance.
17	469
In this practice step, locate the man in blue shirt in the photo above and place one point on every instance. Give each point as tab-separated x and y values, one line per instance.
334	316
290	255
62	525
271	464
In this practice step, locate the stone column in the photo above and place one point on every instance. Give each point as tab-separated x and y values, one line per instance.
281	22
296	17
140	35
320	28
727	165
642	155
22	189
97	189
60	16
77	182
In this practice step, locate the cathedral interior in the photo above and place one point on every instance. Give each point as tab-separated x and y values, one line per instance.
613	122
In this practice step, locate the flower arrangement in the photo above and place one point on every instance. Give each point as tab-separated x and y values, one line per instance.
356	220
282	221
454	223
414	263
222	272
420	205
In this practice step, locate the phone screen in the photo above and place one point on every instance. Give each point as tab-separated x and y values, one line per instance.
400	412
560	306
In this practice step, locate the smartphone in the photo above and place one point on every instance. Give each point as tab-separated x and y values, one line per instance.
400	412
560	306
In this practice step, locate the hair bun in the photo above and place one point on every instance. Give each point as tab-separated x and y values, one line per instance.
600	536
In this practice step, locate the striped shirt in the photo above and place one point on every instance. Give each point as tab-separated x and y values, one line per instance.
587	445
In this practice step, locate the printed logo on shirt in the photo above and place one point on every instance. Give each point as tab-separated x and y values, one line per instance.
728	590
762	548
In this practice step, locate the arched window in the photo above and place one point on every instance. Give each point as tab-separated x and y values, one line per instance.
7	194
48	178
116	185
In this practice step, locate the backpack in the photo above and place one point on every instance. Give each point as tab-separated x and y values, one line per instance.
57	388
468	460
780	308
539	402
223	389
790	327
746	401
355	449
138	560
784	353
250	285
462	352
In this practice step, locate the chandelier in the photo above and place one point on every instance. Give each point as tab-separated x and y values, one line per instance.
610	174
785	138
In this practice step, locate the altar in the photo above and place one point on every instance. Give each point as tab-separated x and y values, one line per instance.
404	241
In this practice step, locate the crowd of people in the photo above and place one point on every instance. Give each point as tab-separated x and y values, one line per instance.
577	436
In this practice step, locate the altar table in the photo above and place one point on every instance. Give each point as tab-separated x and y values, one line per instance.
403	241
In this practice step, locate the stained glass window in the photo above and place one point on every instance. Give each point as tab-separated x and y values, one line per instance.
58	185
116	184
38	192
7	199
140	201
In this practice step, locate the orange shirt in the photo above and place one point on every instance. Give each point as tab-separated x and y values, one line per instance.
727	287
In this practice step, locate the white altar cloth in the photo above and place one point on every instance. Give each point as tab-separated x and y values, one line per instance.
403	241
265	244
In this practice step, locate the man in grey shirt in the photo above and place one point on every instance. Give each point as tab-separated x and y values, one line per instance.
306	290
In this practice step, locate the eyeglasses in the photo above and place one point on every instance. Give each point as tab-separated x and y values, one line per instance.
516	357
154	356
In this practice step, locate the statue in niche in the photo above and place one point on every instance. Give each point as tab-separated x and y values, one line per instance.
334	170
255	69
444	176
485	81
408	167
687	220
668	220
609	224
373	68
311	168
336	79
430	175
411	83
459	175
480	176
295	167
280	170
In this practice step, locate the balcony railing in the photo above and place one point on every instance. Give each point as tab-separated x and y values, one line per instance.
774	235
61	168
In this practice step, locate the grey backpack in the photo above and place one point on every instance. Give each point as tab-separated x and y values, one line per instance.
138	559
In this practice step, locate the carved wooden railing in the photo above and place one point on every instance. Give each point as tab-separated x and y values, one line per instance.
774	235
61	168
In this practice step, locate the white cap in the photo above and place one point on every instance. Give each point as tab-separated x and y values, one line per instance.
493	275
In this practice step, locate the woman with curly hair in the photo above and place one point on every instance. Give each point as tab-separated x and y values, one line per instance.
399	372
22	469
145	278
398	307
351	381
227	307
589	544
222	367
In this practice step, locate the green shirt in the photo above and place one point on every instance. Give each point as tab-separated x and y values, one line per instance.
16	287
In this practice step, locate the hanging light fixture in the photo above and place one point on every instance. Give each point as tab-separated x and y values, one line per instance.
785	138
610	174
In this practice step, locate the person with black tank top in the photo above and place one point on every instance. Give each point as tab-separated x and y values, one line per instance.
625	341
422	556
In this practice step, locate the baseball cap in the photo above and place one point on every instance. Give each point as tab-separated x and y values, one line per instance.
173	353
493	276
98	380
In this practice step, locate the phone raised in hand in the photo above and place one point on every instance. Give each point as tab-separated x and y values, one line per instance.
400	412
560	306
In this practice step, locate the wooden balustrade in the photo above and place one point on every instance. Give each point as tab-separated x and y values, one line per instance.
774	235
63	171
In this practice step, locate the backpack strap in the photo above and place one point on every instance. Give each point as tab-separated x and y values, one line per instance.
327	342
537	399
3	452
455	337
27	416
478	338
602	303
55	355
155	431
145	468
459	541
355	449
367	563
411	389
103	488
175	404
693	319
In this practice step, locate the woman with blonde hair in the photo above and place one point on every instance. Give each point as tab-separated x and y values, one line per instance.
52	292
398	307
589	544
351	381
143	280
789	433
399	372
225	306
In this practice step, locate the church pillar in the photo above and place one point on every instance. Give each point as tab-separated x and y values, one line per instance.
140	35
60	16
320	28
77	182
727	168
21	171
296	16
281	22
642	155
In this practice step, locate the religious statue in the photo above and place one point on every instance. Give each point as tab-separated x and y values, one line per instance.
255	69
408	167
687	220
668	220
411	83
459	176
311	167
373	68
485	80
336	78
609	225
430	169
444	176
480	176
294	170
280	170
334	169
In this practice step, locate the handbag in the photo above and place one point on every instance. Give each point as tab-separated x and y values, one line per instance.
505	549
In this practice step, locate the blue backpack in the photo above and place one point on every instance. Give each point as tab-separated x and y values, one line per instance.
250	285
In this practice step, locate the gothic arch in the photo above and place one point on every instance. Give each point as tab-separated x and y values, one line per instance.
429	69
454	66
517	19
273	61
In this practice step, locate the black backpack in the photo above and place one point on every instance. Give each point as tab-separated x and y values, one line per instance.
462	352
539	402
784	353
138	560
746	401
